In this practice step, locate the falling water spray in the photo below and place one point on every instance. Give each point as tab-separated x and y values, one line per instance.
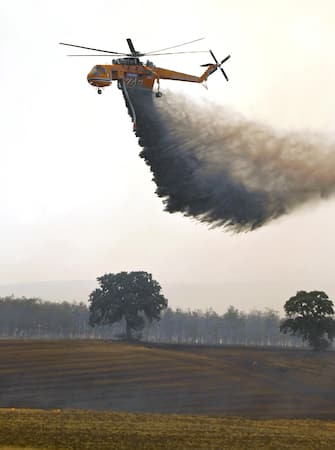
224	170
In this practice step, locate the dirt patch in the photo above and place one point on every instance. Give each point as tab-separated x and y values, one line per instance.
101	375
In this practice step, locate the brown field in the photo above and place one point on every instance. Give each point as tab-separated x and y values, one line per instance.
97	430
100	375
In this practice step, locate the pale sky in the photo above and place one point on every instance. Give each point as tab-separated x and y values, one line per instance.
76	199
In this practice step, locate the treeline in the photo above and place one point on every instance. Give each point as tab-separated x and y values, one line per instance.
34	318
231	328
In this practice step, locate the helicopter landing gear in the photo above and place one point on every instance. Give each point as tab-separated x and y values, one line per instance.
158	93
99	91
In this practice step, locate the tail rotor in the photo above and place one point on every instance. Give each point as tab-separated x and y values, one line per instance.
217	64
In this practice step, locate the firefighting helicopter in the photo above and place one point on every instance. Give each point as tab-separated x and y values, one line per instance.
130	72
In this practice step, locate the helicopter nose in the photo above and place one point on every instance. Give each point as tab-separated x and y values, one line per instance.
90	77
99	77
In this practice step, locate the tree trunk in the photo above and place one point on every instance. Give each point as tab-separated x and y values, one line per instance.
128	332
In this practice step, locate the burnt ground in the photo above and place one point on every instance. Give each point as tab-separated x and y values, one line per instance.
231	381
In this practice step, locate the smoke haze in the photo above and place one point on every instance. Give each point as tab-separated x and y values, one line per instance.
213	165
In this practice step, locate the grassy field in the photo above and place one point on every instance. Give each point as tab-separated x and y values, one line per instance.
85	395
106	431
254	383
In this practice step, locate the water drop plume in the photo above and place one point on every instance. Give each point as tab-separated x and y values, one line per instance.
222	169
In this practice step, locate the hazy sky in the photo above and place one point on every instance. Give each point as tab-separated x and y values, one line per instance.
77	201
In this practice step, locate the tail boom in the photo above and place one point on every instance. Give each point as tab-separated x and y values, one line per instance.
210	70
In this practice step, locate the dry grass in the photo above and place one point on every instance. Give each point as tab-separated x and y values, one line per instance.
107	431
269	386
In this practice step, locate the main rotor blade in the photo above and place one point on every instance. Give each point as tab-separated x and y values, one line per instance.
173	53
131	46
224	74
175	46
104	56
90	48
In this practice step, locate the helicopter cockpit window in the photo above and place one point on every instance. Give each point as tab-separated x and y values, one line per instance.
99	71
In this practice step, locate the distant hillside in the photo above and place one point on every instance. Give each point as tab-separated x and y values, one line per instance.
73	290
198	295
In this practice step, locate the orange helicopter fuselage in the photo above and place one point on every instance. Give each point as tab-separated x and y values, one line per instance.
139	74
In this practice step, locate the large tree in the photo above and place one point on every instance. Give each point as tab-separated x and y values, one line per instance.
132	296
310	316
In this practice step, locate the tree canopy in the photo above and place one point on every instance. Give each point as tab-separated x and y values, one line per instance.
132	296
310	316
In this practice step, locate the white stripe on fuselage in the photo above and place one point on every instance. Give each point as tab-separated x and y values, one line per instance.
104	80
